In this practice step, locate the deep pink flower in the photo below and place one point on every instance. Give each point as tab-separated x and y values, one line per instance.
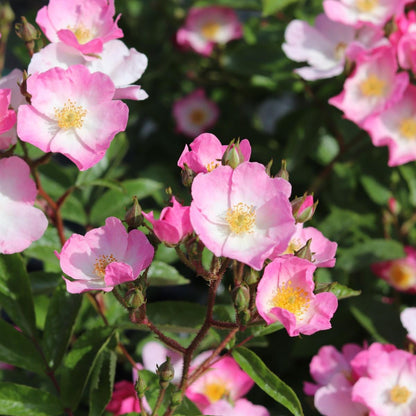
224	380
20	222
242	213
173	224
124	66
373	87
399	273
124	399
104	257
206	26
285	294
85	25
72	112
404	39
7	120
206	153
195	113
396	128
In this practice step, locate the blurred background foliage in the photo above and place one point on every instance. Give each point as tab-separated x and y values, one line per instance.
260	99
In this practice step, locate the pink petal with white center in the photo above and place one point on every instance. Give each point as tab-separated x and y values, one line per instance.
81	286
242	407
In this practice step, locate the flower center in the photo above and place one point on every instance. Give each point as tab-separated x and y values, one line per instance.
101	263
215	391
212	165
294	246
408	128
82	34
340	50
366	6
241	218
209	30
373	86
70	115
402	275
197	116
294	299
399	394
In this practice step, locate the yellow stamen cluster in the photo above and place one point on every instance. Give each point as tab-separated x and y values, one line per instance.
241	218
373	86
402	275
82	34
366	6
399	394
408	128
215	391
70	115
294	299
197	116
340	50
101	263
294	246
212	165
209	30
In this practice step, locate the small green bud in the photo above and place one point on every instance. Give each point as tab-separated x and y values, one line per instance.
241	297
233	155
26	31
244	317
176	398
305	251
165	372
138	299
188	175
269	168
283	173
140	387
134	216
252	277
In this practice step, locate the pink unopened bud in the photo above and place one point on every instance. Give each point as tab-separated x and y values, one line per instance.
393	206
303	208
233	155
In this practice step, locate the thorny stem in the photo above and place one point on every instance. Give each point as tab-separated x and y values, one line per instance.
167	340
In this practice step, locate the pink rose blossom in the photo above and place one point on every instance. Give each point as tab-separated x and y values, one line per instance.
373	87
408	319
206	153
20	222
84	25
224	380
325	46
173	224
7	120
356	12
399	273
404	40
242	213
396	128
241	407
124	399
104	257
207	26
124	66
389	389
285	294
195	113
72	112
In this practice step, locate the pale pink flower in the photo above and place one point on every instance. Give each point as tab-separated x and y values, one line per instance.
195	113
408	319
325	45
356	12
85	25
72	112
124	399
7	120
399	273
207	26
242	213
173	224
241	407
20	222
373	87
124	66
396	128
104	257
223	380
323	250
206	153
389	389
285	294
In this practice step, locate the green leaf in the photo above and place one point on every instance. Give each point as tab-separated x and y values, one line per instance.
340	291
20	400
102	382
114	202
60	320
44	282
73	210
368	252
267	381
18	350
409	174
79	363
375	190
162	274
15	293
272	6
176	316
